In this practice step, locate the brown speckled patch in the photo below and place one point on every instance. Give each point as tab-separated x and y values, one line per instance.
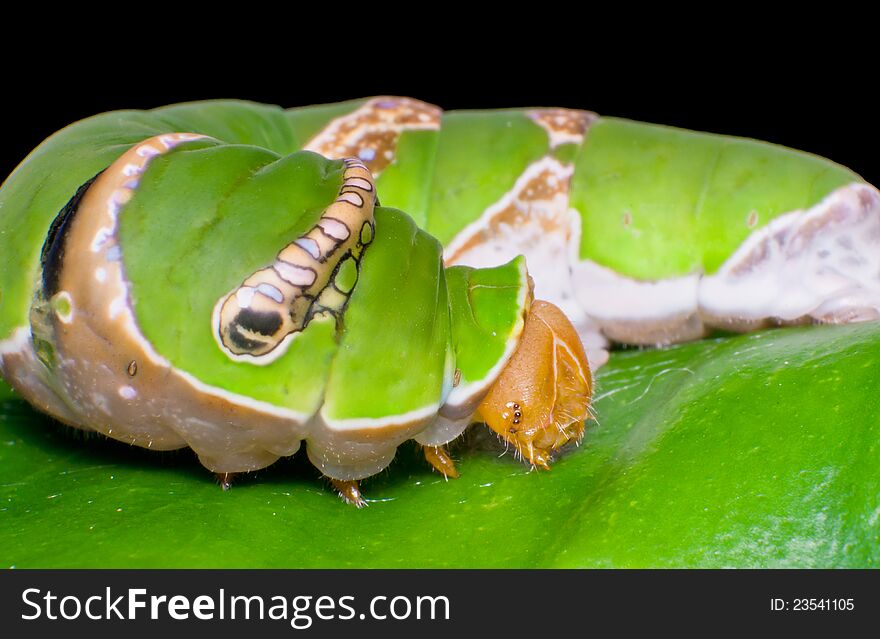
372	131
539	197
564	126
533	218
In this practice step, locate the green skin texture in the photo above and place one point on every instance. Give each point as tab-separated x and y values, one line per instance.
755	450
483	305
693	223
393	354
236	187
768	442
469	181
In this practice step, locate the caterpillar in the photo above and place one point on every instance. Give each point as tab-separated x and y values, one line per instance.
220	274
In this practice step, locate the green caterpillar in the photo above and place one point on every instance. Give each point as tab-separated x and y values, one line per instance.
231	283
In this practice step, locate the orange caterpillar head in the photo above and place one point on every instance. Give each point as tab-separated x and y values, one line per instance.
541	399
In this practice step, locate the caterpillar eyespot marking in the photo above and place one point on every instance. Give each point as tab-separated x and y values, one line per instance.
304	275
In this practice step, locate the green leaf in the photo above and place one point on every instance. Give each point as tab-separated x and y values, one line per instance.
756	450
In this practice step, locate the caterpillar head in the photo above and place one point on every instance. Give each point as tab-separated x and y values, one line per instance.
542	397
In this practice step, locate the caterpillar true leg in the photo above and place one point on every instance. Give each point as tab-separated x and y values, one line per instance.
440	460
225	479
540	401
349	491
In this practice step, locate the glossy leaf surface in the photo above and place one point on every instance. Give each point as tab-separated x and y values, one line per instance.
757	450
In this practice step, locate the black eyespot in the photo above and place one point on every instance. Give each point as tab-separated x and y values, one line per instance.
262	322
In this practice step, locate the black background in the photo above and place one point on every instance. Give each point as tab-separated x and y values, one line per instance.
811	90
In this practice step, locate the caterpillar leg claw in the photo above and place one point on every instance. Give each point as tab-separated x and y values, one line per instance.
440	460
349	491
225	480
540	401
